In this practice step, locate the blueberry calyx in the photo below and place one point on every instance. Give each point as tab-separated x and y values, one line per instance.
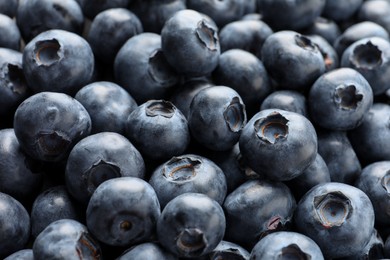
293	252
272	128
160	108
207	35
235	116
305	43
181	169
230	253
386	181
158	69
274	223
191	241
366	56
99	172
13	75
347	97
332	209
52	143
87	247
47	52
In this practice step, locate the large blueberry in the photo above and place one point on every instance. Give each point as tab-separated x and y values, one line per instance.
191	225
190	43
339	99
66	239
257	208
279	144
14	225
188	173
49	124
100	157
216	118
59	61
338	217
290	100
123	211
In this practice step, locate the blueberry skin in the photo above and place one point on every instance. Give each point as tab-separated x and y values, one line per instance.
338	217
372	250
108	105
227	250
191	225
36	16
154	14
92	8
14	225
16	177
323	27
58	61
375	11
371	57
286	54
290	100
142	69
10	34
217	117
66	239
248	35
123	211
13	86
222	12
368	144
62	122
253	84
158	129
357	32
285	244
331	58
339	155
257	208
9	7
339	99
53	204
188	173
373	180
279	144
23	254
149	250
100	157
290	15
190	43
341	10
109	30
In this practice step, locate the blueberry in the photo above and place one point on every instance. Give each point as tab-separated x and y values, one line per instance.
148	250
92	8
286	245
108	105
339	99
191	225
338	217
123	211
257	208
50	205
325	28
370	56
16	177
292	60
50	134
368	144
188	173
66	239
10	34
253	85
339	155
58	61
341	10
36	16
248	35
290	100
228	250
100	157
9	7
216	118
23	254
158	129
14	225
106	42
190	43
331	58
278	144
142	69
375	11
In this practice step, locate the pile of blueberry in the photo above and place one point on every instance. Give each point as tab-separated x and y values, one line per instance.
194	129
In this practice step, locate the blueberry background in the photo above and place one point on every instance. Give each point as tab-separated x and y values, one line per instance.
237	129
